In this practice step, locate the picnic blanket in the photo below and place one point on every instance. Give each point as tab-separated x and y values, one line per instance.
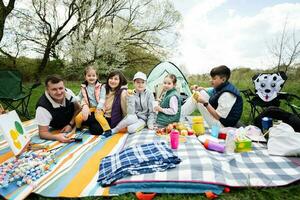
75	172
250	169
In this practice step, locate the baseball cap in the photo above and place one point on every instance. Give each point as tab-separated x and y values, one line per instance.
140	75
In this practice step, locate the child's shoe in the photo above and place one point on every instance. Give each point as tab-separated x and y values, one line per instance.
78	129
107	133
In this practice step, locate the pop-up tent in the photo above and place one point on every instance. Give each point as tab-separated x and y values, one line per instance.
157	74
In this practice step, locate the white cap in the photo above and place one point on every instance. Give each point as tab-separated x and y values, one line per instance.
140	75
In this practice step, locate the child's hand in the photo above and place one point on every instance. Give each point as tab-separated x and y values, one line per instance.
158	109
150	127
99	111
194	87
85	112
129	92
200	99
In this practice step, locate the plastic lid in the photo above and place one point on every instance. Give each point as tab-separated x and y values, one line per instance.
206	143
197	119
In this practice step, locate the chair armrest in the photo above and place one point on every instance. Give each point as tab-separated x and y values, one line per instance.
248	94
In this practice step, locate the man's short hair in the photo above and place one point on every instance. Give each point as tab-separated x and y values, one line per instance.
222	71
55	78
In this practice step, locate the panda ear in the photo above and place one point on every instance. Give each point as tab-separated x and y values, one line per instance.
255	76
283	75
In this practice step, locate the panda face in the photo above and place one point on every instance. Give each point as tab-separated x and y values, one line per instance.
267	86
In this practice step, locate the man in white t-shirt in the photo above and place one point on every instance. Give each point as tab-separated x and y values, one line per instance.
223	107
56	108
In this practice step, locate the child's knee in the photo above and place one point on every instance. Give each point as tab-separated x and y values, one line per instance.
131	118
135	127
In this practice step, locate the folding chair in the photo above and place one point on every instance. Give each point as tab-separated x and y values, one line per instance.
267	92
12	93
293	102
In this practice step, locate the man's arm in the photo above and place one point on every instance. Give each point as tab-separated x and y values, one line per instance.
45	134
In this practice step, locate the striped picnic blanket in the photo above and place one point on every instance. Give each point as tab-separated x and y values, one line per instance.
75	172
255	168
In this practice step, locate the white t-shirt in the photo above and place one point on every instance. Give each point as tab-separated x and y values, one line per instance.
225	103
43	116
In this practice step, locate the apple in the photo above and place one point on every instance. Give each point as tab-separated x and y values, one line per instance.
130	92
174	124
169	128
190	131
184	132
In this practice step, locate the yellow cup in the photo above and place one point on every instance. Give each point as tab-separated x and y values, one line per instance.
198	125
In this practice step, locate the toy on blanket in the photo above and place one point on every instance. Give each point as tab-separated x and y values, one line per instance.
26	168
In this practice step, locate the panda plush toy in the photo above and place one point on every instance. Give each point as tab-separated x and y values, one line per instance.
267	85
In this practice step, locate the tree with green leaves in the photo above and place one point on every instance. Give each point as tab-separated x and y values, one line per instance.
130	37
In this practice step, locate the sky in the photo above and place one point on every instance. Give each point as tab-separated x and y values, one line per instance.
231	32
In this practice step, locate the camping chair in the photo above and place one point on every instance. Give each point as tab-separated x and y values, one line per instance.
12	93
292	101
267	93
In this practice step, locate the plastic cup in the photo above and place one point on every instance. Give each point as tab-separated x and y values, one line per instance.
174	138
215	131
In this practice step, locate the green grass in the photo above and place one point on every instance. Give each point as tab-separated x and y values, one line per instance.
278	193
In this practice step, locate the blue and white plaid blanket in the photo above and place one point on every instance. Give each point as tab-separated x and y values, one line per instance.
198	165
139	159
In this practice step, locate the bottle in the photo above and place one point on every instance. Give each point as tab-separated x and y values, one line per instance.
230	141
174	138
210	145
265	124
198	125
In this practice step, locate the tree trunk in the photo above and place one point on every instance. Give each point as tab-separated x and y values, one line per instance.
2	22
43	64
4	12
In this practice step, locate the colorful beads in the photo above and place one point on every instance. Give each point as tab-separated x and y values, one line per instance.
25	169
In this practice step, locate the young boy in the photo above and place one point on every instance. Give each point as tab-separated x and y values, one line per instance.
140	107
225	105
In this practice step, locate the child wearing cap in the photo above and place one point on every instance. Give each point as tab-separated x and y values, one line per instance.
140	107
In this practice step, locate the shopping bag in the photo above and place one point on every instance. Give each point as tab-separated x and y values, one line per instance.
283	140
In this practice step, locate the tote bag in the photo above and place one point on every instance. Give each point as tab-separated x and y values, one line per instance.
283	141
